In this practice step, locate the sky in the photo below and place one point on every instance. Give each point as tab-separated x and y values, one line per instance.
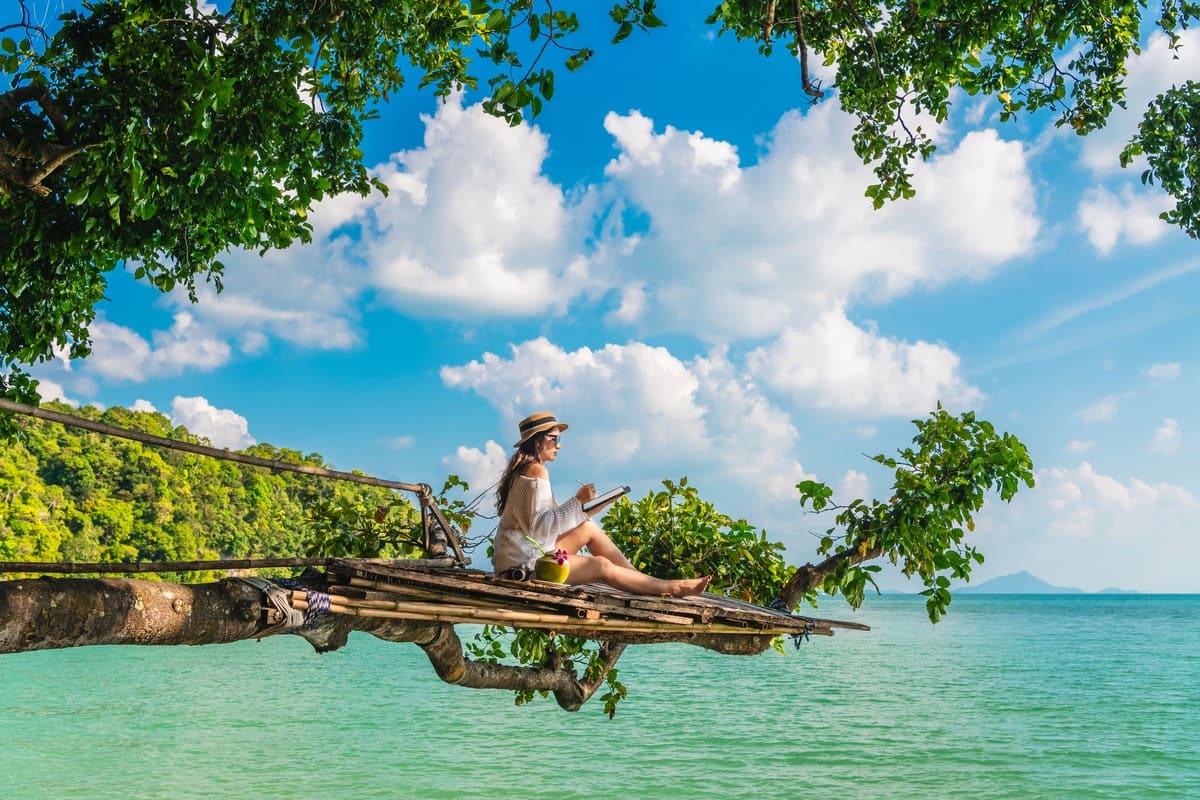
677	258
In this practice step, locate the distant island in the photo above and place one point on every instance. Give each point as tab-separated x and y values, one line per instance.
1025	583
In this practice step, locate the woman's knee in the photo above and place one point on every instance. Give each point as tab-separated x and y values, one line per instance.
604	566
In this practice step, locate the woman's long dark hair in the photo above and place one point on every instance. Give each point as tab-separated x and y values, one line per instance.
526	454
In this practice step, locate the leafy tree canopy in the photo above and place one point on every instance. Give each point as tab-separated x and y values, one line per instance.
160	133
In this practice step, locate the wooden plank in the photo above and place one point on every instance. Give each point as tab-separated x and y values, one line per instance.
614	626
589	600
612	599
543	597
752	608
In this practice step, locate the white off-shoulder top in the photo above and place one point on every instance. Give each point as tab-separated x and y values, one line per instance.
531	511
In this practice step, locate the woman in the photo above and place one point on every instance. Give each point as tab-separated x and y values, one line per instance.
527	509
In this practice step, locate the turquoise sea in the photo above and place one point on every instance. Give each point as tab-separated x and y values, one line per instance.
1081	696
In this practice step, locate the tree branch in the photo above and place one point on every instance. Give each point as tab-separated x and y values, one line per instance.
809	577
445	653
32	93
865	28
806	82
26	23
47	156
63	155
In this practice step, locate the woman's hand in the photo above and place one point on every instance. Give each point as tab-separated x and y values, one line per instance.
586	492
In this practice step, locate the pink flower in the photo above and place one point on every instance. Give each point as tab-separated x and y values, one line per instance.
559	556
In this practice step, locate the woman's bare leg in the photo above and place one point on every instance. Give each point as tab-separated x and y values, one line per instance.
590	535
598	569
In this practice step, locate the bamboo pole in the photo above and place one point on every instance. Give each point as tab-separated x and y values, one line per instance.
559	622
441	597
75	567
437	608
68	567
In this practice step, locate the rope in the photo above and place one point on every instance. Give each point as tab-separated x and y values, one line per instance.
290	619
204	450
278	596
778	604
318	602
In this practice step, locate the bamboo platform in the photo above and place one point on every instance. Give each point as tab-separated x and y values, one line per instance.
411	591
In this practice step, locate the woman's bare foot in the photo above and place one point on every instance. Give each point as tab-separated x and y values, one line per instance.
690	588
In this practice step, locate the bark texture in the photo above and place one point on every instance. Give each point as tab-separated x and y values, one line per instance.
810	577
50	613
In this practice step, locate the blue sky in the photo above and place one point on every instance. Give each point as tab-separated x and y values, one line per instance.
677	258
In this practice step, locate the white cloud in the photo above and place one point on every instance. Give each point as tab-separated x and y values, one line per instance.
1133	216
306	295
472	225
143	405
121	353
597	384
638	407
1101	410
752	439
1086	504
1151	72
1080	445
836	365
49	390
718	256
632	305
62	354
398	442
480	469
1166	372
222	427
853	485
1166	437
1083	528
470	229
300	295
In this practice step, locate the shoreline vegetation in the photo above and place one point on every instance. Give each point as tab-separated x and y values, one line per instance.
75	496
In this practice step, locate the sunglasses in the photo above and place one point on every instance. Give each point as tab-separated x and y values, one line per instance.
554	437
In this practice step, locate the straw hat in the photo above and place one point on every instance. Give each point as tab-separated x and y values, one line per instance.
537	423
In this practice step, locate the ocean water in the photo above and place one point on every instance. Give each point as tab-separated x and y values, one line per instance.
1021	697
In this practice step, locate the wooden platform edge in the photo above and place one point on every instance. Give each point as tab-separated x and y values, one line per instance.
590	605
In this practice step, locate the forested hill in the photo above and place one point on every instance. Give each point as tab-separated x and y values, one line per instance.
73	495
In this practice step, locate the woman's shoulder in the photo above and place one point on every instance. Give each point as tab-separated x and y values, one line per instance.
535	471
